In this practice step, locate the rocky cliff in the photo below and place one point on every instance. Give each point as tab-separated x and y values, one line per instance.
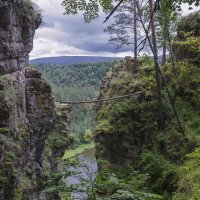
125	127
27	114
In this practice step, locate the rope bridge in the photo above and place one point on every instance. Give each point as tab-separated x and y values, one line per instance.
101	100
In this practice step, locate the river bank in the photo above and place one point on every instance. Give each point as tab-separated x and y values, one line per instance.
88	150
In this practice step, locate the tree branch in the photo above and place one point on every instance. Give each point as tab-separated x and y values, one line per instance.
115	8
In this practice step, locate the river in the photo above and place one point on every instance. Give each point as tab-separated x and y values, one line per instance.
85	173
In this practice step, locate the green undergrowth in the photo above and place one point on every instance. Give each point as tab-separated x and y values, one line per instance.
58	141
162	172
122	183
117	118
189	182
8	172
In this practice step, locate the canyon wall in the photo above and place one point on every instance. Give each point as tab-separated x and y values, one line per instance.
27	114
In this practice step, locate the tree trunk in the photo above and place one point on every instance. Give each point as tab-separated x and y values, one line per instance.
175	71
161	119
164	54
135	37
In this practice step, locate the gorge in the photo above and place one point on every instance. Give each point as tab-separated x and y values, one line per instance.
136	159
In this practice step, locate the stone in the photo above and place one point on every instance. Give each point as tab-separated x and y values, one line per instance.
17	32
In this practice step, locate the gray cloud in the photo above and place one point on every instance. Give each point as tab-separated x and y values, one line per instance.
76	32
48	23
61	35
70	35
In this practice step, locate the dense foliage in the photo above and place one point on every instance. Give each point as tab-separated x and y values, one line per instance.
76	82
187	42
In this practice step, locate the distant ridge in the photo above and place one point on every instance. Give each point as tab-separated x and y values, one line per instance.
71	59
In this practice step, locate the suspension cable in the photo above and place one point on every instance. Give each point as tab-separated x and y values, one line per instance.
100	100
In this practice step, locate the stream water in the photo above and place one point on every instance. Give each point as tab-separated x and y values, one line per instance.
85	174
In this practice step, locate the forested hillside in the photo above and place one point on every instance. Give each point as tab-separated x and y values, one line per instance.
76	82
64	60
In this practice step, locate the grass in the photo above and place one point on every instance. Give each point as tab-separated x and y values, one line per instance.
80	150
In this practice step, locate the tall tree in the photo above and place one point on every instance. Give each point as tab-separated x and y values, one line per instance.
151	38
135	36
126	30
167	19
161	120
121	30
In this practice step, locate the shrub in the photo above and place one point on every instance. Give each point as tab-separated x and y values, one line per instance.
163	176
189	183
127	117
87	136
30	8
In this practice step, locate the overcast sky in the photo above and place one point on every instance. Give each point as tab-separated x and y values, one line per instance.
69	35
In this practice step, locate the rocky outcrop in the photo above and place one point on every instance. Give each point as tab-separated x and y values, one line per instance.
125	127
27	117
60	139
39	111
117	136
18	21
57	142
27	114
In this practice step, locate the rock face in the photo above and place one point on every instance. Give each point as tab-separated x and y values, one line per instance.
39	111
18	21
60	139
27	113
117	137
56	144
